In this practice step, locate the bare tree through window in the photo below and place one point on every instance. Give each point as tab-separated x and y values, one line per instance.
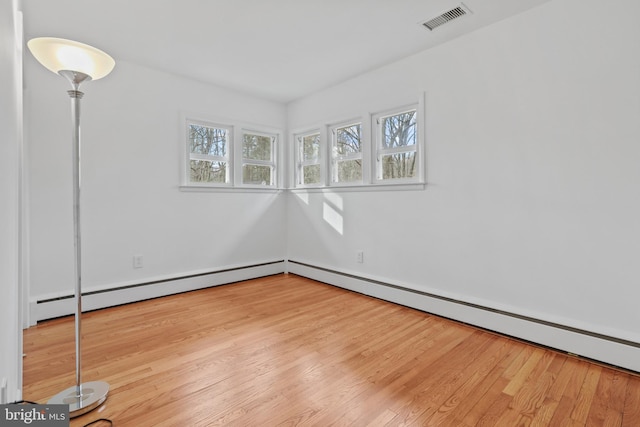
208	158
348	153
309	172
258	159
397	154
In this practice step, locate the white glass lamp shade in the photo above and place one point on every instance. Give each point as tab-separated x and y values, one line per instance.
67	55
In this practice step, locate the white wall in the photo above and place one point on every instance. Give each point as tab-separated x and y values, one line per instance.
10	170
533	196
131	202
532	199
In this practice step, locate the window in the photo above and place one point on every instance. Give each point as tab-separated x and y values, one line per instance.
382	151
209	147
308	170
397	146
229	157
258	159
346	156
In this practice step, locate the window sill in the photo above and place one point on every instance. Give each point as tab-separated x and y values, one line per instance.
221	189
406	186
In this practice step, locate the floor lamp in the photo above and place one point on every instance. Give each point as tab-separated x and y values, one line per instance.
77	62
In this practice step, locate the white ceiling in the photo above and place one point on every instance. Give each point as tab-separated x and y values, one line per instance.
276	49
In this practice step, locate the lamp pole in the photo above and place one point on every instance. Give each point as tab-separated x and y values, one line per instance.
63	57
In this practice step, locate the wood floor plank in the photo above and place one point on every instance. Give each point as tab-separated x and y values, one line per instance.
289	351
531	395
523	373
598	409
473	374
474	405
545	413
430	386
631	411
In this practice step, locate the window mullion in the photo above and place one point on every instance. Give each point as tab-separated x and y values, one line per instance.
207	158
395	150
366	150
325	156
350	156
258	162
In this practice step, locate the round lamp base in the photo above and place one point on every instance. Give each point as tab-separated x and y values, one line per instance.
94	393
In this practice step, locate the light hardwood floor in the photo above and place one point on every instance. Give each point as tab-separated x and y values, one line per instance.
286	351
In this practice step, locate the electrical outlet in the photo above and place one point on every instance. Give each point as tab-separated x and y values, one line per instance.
360	256
137	261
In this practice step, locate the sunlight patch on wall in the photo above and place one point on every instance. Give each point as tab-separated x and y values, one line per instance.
332	211
335	200
304	197
332	217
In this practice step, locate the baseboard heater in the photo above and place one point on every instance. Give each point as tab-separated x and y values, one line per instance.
592	345
48	308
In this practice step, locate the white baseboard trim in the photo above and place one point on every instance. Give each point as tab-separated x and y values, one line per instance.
49	308
7	393
592	345
4	395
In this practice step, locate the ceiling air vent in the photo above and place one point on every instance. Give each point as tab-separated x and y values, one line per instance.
450	15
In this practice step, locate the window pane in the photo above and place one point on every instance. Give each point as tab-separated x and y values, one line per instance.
400	165
311	174
205	171
208	141
349	170
256	174
256	147
310	147
399	130
348	140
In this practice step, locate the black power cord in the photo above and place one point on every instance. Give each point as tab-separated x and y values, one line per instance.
106	420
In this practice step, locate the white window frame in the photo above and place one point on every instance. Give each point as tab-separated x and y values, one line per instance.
334	158
194	156
234	155
380	151
300	163
273	163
